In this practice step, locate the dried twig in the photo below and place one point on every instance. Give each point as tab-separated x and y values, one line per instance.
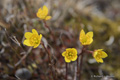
25	55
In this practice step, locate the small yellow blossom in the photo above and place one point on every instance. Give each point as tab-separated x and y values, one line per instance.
43	13
32	39
99	54
70	54
86	39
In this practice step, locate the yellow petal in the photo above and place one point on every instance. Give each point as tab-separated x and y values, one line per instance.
75	57
74	50
38	14
40	10
82	37
95	53
100	60
36	45
104	55
82	34
67	60
28	35
63	54
34	31
89	41
99	49
45	10
90	34
48	17
68	49
42	17
40	37
26	42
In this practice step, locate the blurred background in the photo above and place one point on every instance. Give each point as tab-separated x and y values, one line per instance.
68	18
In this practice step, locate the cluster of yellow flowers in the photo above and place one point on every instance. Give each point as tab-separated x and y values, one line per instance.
33	39
85	39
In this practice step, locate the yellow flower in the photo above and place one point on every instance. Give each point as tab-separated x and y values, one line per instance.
86	39
43	13
32	39
70	54
99	54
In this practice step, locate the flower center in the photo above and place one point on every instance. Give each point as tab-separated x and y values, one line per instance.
84	39
34	39
98	56
70	55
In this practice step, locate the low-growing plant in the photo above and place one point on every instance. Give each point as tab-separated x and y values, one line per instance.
70	54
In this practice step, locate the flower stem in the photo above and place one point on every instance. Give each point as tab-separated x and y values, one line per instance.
66	71
49	30
88	51
47	52
81	61
49	57
77	67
